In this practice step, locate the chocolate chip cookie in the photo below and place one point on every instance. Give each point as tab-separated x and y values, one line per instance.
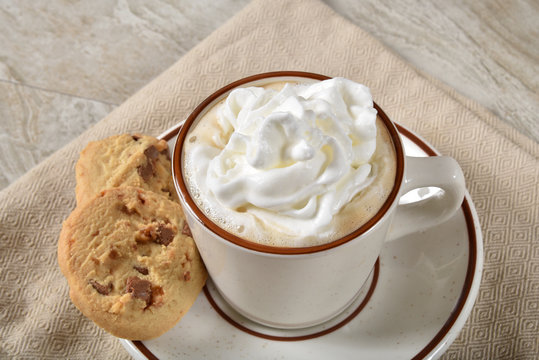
135	160
130	261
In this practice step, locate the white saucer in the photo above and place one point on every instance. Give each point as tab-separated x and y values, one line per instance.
426	287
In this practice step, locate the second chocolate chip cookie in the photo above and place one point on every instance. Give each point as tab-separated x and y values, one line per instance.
124	160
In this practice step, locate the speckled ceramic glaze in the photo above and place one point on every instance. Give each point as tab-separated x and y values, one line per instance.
426	287
301	287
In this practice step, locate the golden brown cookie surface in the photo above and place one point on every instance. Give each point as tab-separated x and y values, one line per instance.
124	160
131	263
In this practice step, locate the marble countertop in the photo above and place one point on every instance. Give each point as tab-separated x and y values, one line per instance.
65	65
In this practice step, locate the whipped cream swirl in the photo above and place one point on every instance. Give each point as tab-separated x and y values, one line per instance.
290	158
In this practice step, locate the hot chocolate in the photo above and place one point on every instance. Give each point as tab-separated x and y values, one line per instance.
291	164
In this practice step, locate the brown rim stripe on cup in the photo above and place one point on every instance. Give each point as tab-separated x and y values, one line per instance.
346	320
210	225
470	271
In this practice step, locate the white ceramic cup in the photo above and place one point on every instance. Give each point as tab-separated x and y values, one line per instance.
300	287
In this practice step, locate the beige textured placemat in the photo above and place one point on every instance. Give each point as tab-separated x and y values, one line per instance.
501	168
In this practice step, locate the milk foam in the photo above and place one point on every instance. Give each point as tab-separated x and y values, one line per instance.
277	166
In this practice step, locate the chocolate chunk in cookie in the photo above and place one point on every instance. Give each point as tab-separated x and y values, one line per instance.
102	289
164	235
139	289
146	171
151	153
141	269
160	233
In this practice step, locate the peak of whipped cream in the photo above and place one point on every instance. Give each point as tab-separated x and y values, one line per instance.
288	159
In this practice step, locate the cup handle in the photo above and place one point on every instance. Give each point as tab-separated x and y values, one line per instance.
437	171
